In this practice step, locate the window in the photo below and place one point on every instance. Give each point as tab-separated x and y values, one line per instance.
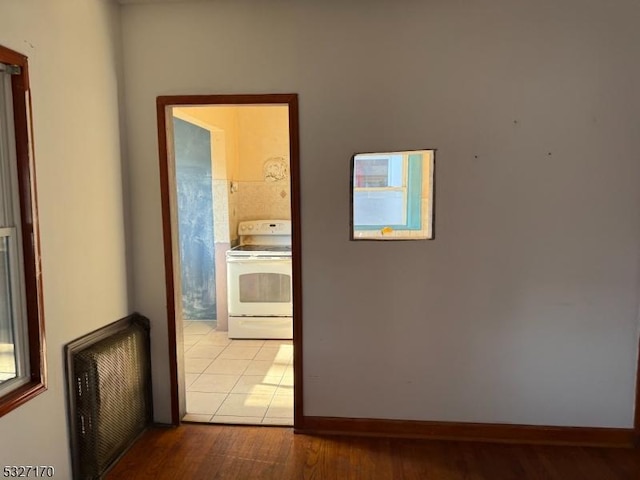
392	195
22	371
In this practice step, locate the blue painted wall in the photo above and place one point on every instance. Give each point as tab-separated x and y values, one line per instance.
195	220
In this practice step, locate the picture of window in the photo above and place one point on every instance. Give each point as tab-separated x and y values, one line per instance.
392	195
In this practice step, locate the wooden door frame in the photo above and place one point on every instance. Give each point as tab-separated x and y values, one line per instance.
163	104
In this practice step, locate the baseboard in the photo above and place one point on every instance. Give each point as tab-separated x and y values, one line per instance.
479	432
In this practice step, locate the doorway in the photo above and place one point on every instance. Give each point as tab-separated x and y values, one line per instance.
226	151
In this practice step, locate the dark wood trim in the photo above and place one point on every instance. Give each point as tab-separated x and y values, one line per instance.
636	420
478	432
296	248
168	257
232	99
11	57
29	216
30	234
290	99
434	183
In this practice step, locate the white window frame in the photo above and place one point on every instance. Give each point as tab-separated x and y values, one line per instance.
402	188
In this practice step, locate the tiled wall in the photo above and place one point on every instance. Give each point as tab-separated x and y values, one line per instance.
222	211
251	201
263	200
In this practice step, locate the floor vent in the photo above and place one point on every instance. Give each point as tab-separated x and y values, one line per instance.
109	394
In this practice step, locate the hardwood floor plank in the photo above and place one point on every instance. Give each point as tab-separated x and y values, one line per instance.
530	462
471	458
275	453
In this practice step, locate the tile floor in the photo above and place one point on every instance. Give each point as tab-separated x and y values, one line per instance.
237	381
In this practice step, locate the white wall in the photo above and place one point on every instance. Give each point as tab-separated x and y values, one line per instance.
73	53
524	308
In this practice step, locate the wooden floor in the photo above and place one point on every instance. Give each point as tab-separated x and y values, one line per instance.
197	452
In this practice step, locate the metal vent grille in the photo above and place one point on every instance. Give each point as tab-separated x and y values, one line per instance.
109	394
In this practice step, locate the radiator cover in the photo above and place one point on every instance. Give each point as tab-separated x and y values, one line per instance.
109	394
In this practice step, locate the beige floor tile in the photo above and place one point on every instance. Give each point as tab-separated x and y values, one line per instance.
278	343
281	406
198	328
215	338
266	368
281	348
287	381
204	351
191	339
237	352
256	384
245	405
284	390
237	381
189	378
278	421
202	403
248	342
213	383
274	354
196	365
268	354
228	366
235	420
196	417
